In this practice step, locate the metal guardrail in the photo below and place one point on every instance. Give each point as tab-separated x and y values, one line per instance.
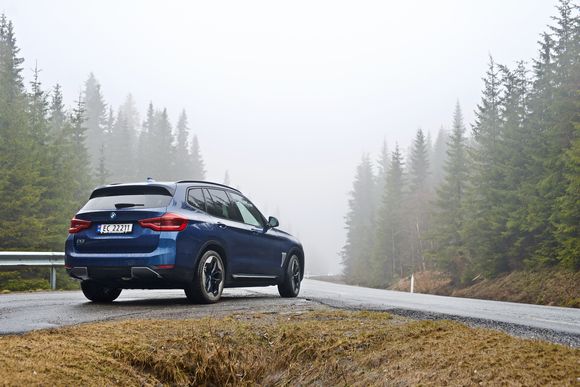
33	258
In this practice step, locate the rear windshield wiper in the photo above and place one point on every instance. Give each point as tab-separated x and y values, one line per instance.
126	205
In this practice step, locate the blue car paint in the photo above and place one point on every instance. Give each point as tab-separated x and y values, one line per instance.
249	251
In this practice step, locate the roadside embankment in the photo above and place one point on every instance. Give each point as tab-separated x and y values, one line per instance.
551	287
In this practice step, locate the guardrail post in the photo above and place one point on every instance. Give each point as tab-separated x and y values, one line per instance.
53	278
413	283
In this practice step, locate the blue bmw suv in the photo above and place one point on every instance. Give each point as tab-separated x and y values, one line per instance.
192	235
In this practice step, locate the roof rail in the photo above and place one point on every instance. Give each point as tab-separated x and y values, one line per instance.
208	182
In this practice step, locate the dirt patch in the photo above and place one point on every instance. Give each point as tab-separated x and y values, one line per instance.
319	347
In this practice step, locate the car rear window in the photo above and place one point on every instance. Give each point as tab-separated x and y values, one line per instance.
116	198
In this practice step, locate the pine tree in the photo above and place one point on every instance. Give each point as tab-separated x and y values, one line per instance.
96	119
449	211
146	146
197	164
57	114
356	253
20	192
182	156
387	258
484	223
79	155
382	170
163	139
120	162
438	158
554	114
515	167
418	200
567	219
561	158
38	109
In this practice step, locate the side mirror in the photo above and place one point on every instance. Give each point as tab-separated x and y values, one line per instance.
273	222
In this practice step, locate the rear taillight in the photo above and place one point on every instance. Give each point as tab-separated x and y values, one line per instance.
167	222
77	225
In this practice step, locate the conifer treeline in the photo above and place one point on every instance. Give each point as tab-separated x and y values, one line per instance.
505	198
51	156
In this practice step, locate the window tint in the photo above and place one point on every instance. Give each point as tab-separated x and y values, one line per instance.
126	201
248	212
196	199
221	206
113	198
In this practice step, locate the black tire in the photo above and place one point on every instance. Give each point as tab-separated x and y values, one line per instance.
290	285
99	293
208	279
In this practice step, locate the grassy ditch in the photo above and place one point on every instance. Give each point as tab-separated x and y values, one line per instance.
327	348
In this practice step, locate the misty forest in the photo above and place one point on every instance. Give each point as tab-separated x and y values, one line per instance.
496	196
52	156
478	199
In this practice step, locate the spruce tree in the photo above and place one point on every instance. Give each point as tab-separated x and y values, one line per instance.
382	170
120	155
197	163
484	223
562	137
182	157
449	212
96	119
438	158
387	258
418	201
356	253
20	192
146	148
79	155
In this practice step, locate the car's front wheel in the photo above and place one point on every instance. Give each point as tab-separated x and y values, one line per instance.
99	293
208	280
290	286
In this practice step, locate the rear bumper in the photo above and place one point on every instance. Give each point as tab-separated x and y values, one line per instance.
130	270
137	277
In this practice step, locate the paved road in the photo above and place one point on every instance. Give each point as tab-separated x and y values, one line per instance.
27	311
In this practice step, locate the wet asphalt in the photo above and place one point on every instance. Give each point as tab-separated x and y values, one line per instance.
23	312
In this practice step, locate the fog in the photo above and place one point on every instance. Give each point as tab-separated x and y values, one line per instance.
284	96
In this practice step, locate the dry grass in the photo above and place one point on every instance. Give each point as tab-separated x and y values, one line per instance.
549	287
324	348
560	288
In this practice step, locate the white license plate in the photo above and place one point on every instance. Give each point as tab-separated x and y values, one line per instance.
117	228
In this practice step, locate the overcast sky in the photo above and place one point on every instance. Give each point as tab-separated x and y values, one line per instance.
285	95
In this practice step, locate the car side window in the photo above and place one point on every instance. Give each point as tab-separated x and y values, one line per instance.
196	199
221	205
249	213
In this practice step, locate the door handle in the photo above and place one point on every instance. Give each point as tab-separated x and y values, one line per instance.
221	225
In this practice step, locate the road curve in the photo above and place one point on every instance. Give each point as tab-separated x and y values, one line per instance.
21	312
558	319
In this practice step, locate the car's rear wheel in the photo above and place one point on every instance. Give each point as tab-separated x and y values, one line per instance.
290	286
99	293
208	280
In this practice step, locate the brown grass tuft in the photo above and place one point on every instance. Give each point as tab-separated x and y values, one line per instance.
326	348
